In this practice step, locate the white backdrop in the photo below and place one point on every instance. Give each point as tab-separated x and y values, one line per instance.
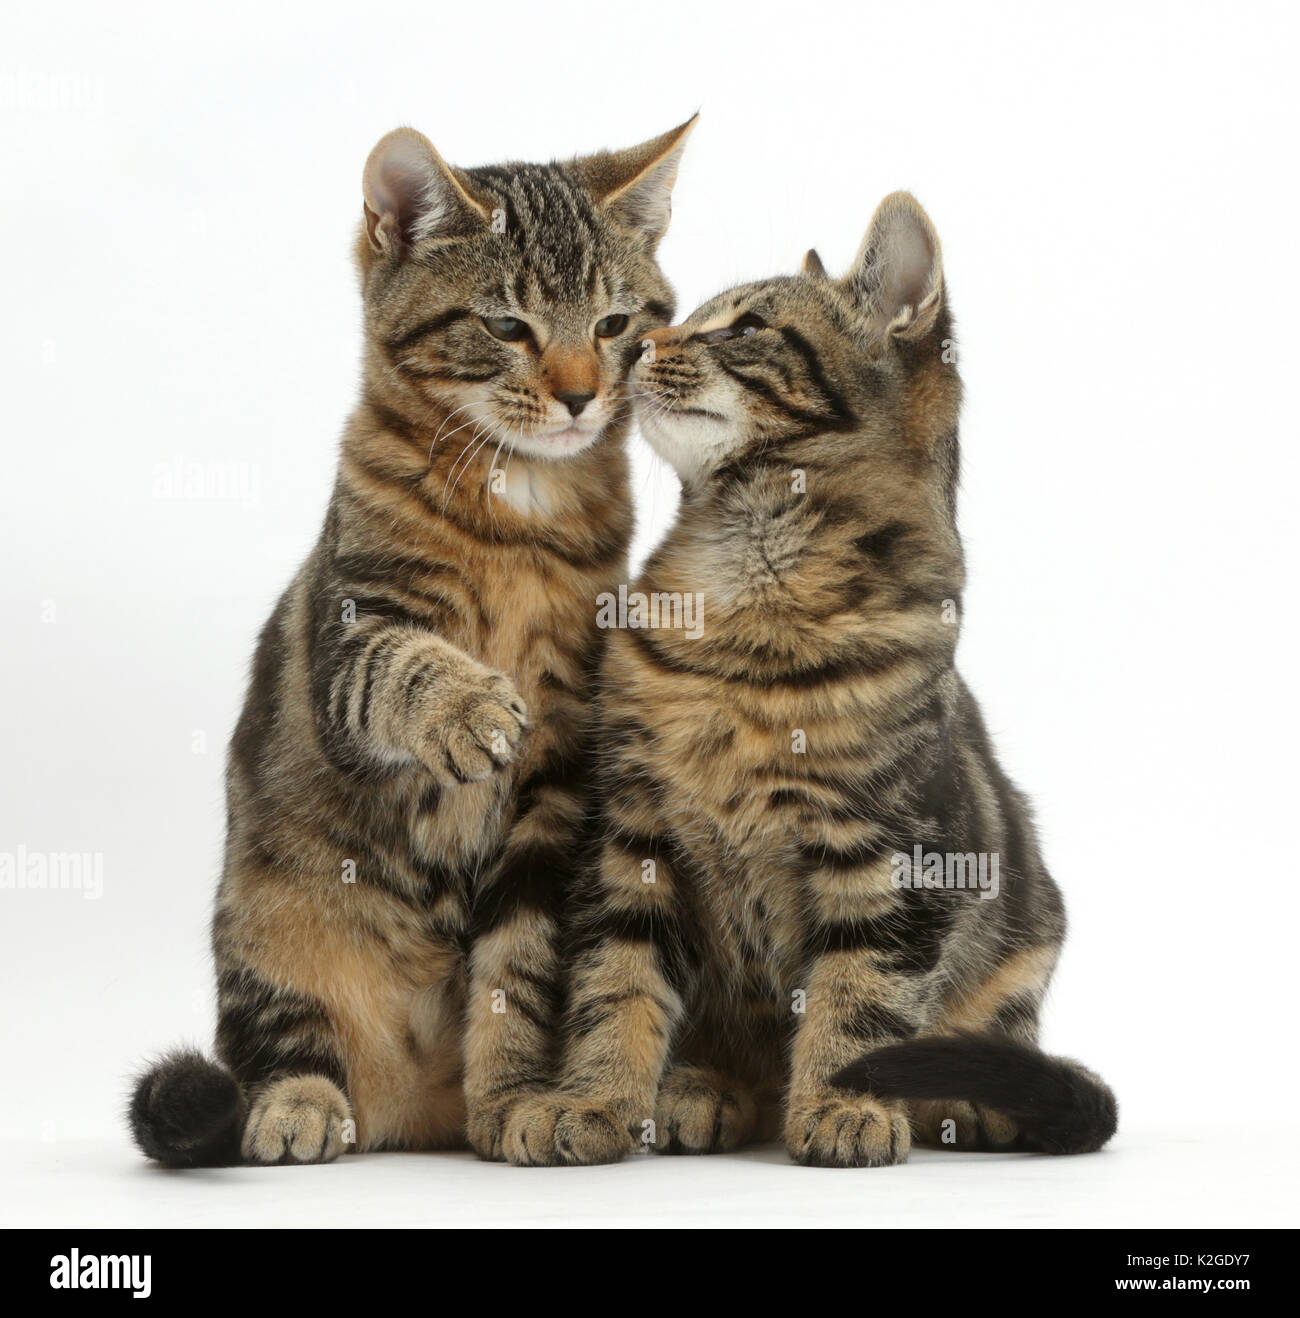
1115	189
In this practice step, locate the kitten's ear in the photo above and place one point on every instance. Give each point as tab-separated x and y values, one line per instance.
635	186
897	277
412	193
812	265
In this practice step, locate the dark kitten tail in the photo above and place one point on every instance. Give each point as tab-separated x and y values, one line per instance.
1057	1105
188	1112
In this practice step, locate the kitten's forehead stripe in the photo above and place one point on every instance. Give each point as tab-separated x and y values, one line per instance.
554	227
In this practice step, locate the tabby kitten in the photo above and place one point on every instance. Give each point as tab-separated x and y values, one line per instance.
756	925
405	799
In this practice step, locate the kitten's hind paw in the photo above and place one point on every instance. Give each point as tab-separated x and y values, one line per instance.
960	1125
296	1120
699	1111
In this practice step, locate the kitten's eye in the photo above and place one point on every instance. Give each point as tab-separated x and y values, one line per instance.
505	327
611	327
747	324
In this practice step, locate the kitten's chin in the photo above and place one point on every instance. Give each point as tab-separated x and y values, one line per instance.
556	446
691	445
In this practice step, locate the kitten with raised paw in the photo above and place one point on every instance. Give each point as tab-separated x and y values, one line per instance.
406	784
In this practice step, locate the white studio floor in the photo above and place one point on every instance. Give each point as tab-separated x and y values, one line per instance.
1221	1176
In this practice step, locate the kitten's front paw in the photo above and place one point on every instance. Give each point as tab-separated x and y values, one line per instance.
698	1111
563	1130
485	1124
299	1119
474	720
840	1131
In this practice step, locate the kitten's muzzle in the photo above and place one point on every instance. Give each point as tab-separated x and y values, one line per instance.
675	376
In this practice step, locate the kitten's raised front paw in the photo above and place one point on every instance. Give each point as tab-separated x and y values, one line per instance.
840	1131
475	719
563	1130
699	1111
299	1119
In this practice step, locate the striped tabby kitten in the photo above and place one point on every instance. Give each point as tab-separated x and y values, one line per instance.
752	957
396	844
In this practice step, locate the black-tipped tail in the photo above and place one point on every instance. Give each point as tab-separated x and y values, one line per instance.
188	1112
1059	1106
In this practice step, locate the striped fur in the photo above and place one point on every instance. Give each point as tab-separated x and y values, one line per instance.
406	781
766	776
